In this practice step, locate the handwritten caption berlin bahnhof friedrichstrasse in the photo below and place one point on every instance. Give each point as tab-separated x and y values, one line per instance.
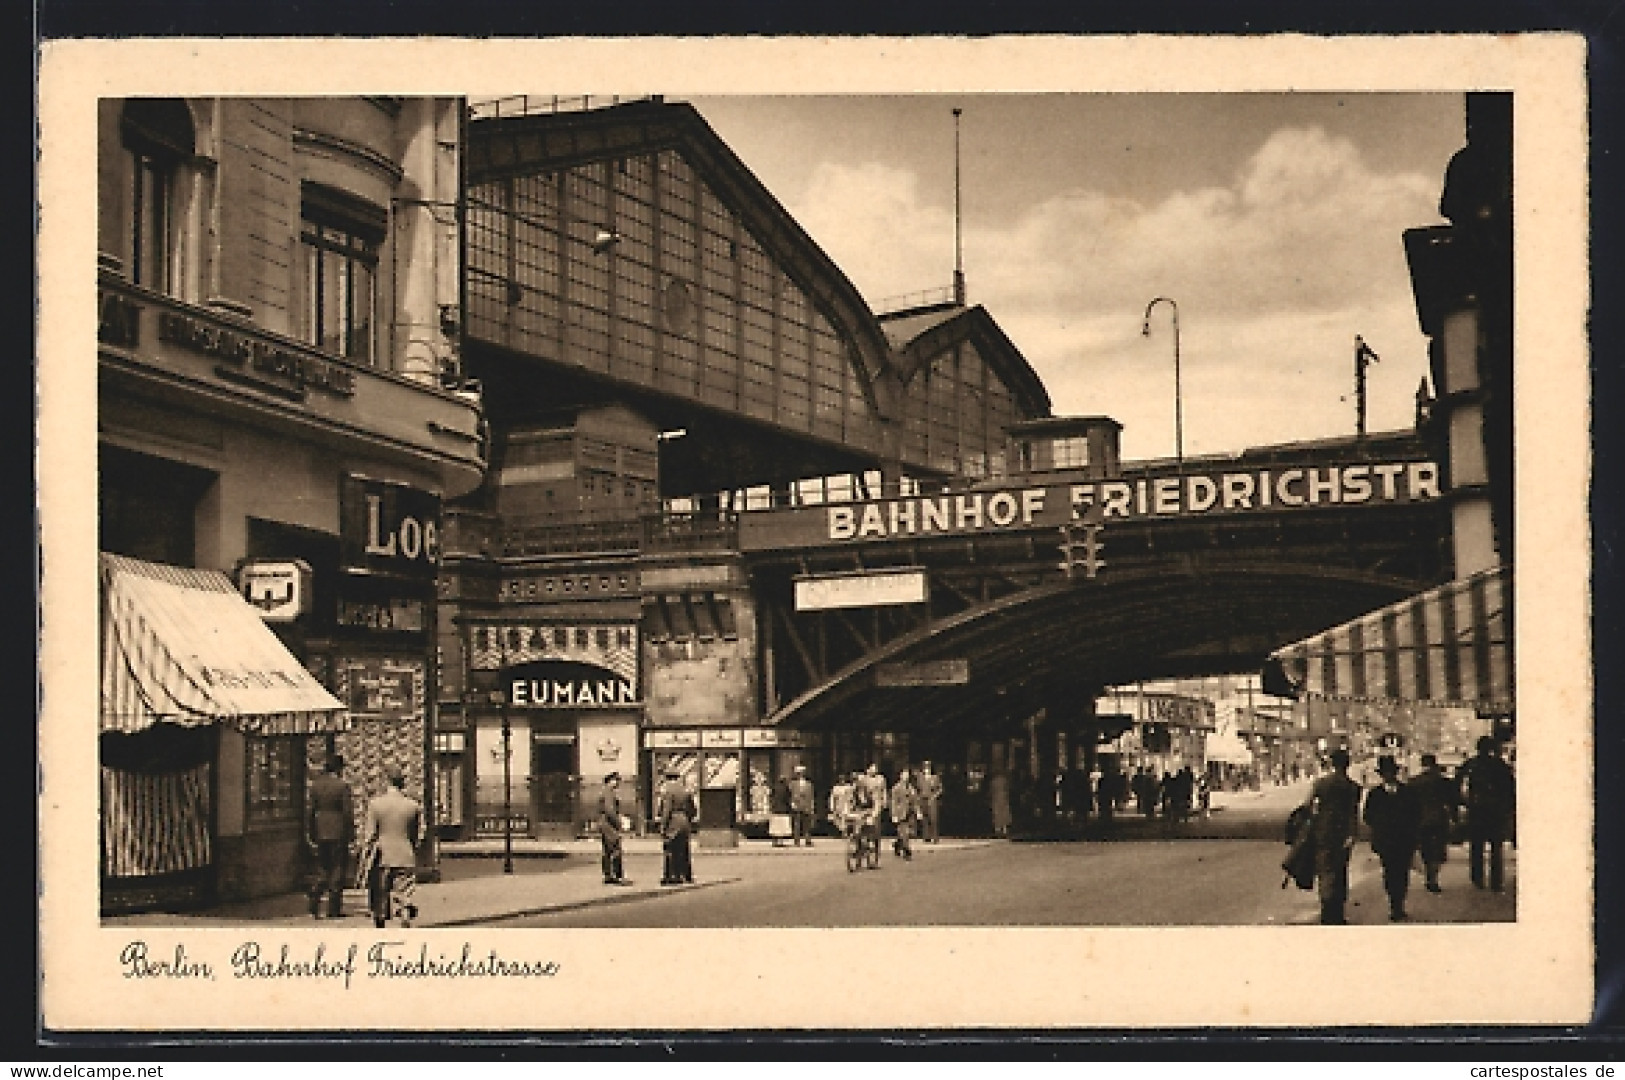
250	960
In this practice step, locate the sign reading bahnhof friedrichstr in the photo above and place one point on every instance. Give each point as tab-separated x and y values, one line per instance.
1191	494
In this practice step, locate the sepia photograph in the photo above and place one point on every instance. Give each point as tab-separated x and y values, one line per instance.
889	521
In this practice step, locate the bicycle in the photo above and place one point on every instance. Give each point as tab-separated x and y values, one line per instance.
862	844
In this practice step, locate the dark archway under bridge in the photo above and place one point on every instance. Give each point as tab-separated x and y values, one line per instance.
1064	639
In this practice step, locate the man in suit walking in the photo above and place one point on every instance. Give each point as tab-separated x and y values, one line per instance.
609	830
676	811
930	791
803	804
904	811
1436	813
329	827
1334	808
1392	814
1487	792
395	825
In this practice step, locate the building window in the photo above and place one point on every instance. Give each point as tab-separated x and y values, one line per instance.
340	237
158	138
273	782
1071	453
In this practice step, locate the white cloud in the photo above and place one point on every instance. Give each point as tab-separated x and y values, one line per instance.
1274	272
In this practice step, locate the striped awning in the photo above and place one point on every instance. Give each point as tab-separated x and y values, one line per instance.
181	646
1447	646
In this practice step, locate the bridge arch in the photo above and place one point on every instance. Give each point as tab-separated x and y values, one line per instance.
1073	637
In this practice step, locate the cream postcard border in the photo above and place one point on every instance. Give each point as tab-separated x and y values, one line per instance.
931	978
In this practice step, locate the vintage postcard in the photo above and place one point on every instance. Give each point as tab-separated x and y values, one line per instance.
818	533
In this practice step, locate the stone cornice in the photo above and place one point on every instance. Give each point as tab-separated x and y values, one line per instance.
333	145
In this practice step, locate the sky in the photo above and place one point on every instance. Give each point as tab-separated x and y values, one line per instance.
1274	222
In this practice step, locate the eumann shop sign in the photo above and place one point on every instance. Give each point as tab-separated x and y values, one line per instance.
566	684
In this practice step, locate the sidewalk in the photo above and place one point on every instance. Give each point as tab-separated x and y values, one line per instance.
489	894
1460	902
495	895
650	845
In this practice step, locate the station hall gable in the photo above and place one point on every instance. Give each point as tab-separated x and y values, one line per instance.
630	245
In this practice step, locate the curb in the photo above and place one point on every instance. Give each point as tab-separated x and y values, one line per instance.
576	905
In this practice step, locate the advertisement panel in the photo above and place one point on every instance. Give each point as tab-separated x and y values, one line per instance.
870	588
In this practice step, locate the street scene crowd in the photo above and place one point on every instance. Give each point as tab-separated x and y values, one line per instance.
1406	821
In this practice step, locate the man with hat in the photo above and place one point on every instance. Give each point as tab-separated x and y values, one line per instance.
930	792
394	825
1392	814
329	827
609	830
1487	792
1436	813
1334	809
675	810
803	801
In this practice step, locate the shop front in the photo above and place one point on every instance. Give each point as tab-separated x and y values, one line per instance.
240	433
738	775
194	686
553	709
376	653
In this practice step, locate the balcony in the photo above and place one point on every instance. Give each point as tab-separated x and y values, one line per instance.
577	538
716	530
216	360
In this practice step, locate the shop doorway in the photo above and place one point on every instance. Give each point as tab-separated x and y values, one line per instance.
552	769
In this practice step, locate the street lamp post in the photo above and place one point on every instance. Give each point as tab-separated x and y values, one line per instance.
1179	407
507	760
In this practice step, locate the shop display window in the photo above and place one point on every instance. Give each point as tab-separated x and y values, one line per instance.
273	782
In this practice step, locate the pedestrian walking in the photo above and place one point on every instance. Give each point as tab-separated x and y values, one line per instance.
1184	793
1436	814
675	810
1078	796
610	826
1488	793
1107	795
395	827
803	802
930	790
1392	815
842	798
1145	792
1334	807
905	810
329	828
998	795
873	784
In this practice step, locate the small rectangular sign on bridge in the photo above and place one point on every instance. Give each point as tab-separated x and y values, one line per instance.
954	672
867	588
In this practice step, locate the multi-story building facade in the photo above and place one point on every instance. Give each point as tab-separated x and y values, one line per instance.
654	332
277	381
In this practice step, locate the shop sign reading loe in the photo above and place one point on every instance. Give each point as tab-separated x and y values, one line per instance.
389	528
